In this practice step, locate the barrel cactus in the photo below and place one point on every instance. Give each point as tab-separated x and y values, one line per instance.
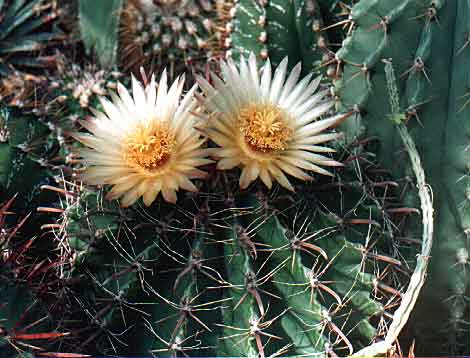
27	150
254	272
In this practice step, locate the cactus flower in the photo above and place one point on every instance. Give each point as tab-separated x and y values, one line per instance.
145	144
268	125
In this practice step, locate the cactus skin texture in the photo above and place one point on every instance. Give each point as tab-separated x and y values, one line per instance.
277	29
26	148
428	44
245	275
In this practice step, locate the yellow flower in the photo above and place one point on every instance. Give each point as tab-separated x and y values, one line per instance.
146	144
268	125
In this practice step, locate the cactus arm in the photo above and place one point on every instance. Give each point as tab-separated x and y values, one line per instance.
361	54
410	297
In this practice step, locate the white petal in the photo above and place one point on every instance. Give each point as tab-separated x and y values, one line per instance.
233	81
280	177
305	165
228	163
161	93
304	95
169	195
318	126
266	178
99	158
139	97
316	139
245	179
126	97
212	101
290	82
245	77
231	102
311	148
278	81
172	99
120	188
130	197
266	81
296	93
293	170
314	113
185	183
111	110
309	103
151	94
151	193
254	73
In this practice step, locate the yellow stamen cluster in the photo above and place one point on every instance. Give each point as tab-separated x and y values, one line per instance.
149	146
265	127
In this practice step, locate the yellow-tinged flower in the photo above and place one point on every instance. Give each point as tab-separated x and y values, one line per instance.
268	125
145	144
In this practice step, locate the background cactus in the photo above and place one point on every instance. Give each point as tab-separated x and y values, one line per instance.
276	29
433	94
22	29
171	34
99	23
27	150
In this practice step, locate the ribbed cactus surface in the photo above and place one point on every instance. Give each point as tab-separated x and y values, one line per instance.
255	273
427	42
277	29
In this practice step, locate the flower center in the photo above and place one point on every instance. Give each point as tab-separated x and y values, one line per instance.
265	127
149	146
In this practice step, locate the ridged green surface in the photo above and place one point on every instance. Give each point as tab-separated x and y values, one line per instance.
278	29
18	310
242	307
254	276
26	147
179	36
427	43
26	325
